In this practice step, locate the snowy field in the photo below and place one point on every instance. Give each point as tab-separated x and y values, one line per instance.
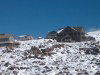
66	60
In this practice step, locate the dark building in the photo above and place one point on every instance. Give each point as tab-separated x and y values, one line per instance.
68	34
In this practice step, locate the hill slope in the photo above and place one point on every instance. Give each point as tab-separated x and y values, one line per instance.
65	58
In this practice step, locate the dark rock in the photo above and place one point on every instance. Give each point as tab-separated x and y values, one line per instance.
94	50
83	72
15	72
13	68
97	73
7	64
63	73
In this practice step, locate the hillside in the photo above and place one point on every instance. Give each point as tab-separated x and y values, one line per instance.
64	58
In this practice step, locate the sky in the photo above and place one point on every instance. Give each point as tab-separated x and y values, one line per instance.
38	17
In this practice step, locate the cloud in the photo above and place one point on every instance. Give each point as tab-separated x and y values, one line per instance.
93	29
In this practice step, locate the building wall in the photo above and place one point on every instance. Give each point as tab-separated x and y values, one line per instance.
24	38
6	40
74	33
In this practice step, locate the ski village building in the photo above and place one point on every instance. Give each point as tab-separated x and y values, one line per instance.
69	34
25	38
6	40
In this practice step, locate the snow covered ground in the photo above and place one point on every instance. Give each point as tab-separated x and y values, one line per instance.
66	60
95	34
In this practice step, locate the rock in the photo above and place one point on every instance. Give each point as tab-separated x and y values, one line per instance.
7	64
97	73
15	72
83	72
63	73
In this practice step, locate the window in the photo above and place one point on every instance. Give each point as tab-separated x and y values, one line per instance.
4	39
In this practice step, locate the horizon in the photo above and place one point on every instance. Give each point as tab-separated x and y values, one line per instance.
90	30
38	17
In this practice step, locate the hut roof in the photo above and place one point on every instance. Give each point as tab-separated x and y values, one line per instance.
24	35
5	35
68	28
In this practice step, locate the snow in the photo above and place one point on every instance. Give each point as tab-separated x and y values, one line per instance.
66	59
60	31
95	34
22	36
